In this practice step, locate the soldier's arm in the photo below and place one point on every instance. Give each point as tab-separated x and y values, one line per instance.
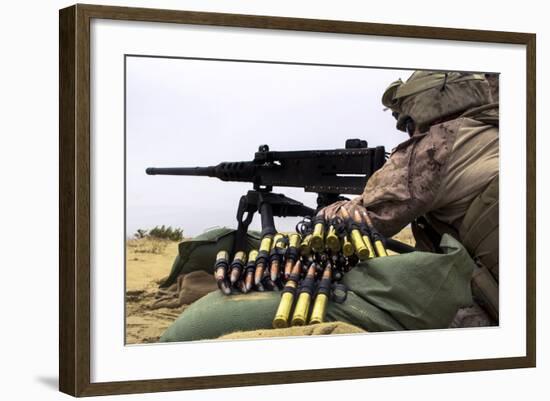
400	192
391	217
407	186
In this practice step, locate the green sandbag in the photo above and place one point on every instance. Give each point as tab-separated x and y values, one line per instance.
419	290
216	314
199	253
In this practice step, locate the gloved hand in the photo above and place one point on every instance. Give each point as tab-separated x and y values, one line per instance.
345	210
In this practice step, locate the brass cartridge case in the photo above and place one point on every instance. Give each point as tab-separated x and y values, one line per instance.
293	244
302	308
265	248
332	240
305	246
304	298
283	311
380	249
287	299
319	309
318	237
265	244
360	248
369	245
294	240
347	247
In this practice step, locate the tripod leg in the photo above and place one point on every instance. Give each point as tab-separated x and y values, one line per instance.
242	223
239	260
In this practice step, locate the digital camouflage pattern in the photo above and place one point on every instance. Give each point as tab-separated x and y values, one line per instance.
431	96
407	185
439	173
446	172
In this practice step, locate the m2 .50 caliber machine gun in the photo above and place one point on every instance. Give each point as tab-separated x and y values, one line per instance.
313	260
329	173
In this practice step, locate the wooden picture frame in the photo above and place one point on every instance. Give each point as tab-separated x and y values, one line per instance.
75	208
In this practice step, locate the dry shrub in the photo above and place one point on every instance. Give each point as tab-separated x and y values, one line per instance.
160	232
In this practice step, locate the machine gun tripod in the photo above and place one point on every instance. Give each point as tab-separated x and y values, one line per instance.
270	205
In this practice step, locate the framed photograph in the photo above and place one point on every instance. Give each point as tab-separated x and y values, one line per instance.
240	185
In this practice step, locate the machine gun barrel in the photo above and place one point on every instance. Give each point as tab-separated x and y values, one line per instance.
225	171
199	171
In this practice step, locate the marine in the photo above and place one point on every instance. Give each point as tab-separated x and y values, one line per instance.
444	178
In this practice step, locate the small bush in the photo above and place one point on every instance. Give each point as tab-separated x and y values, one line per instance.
162	232
140	233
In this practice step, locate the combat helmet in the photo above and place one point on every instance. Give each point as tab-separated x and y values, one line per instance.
431	96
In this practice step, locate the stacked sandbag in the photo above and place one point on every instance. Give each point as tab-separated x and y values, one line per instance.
296	331
418	290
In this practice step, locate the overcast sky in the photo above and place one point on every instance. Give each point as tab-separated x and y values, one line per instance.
196	112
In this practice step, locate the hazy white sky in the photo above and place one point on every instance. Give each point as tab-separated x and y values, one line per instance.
196	112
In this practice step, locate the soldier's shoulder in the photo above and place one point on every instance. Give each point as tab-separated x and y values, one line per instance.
448	127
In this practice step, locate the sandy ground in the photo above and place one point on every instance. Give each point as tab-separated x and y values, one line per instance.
405	236
148	263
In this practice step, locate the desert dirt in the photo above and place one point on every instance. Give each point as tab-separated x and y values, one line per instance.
148	263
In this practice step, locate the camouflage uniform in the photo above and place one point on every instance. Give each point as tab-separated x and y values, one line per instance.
446	172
